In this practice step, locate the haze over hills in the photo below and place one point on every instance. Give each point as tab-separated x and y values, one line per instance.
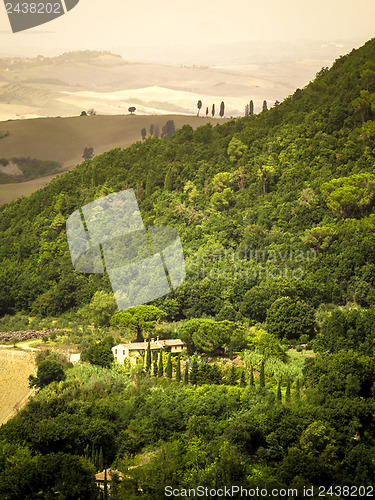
65	85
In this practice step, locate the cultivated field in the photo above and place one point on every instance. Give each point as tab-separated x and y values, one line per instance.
15	367
64	139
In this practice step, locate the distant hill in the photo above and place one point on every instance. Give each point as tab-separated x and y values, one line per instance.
67	84
63	140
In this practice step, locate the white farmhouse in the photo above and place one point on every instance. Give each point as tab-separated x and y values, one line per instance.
133	351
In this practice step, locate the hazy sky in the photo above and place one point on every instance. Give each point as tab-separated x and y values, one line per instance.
104	24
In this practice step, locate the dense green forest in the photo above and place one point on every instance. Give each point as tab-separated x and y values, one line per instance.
277	222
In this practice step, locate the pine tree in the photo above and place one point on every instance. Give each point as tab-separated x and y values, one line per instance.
287	394
242	379
168	369
262	378
160	368
278	397
194	372
148	357
186	375
178	370
251	108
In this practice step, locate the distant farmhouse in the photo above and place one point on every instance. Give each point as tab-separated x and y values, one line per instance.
133	351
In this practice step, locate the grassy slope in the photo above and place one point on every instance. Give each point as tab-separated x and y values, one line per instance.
63	140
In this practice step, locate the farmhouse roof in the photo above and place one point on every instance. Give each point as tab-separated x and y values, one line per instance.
154	344
100	475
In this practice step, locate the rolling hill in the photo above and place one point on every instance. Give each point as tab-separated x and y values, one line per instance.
64	139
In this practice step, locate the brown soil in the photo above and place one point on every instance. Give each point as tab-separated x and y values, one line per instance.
15	367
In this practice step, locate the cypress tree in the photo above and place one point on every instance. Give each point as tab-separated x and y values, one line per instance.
278	397
231	351
222	108
101	460
252	381
105	485
233	376
186	375
194	372
155	369
178	370
213	110
168	369
297	393
199	105
168	182
207	111
93	460
149	184
287	394
160	368
262	378
265	106
148	356
242	380
251	108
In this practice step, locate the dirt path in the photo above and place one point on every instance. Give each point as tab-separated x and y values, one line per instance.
15	367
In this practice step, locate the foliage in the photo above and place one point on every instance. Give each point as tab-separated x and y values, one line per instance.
138	318
209	336
48	371
290	319
103	305
100	353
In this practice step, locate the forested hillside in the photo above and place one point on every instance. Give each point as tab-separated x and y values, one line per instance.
294	179
276	217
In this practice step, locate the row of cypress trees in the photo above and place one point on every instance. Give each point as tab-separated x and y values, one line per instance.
209	374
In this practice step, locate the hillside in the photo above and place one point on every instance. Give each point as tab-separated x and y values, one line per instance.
276	214
63	140
272	168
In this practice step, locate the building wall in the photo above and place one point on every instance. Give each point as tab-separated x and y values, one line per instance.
120	353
